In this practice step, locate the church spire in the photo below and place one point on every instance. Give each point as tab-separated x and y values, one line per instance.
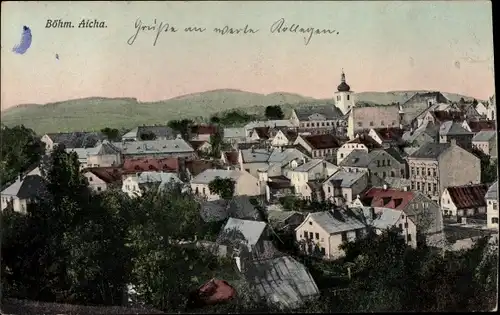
343	86
342	76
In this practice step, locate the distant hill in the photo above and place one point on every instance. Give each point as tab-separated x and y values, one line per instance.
95	113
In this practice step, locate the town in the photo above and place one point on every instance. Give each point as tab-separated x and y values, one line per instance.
333	208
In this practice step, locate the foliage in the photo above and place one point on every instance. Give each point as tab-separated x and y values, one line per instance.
293	203
489	167
224	187
183	127
274	112
112	134
232	118
216	142
20	148
148	136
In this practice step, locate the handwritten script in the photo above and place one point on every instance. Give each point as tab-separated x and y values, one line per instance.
159	28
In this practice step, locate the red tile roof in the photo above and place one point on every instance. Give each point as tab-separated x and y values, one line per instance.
322	141
203	129
388	198
365	139
478	125
134	165
468	196
389	133
231	157
107	174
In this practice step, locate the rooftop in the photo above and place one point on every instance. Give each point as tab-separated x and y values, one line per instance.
246	232
484	136
76	139
329	112
430	150
134	165
210	174
468	196
346	179
255	155
452	128
155	146
492	192
387	198
308	165
322	141
334	222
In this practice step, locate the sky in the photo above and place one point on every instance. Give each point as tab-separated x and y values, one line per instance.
381	46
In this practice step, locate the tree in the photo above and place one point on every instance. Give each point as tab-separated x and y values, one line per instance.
111	133
216	141
274	112
489	167
224	187
148	136
183	127
20	148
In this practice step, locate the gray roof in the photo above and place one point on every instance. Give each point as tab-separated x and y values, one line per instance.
255	155
336	222
251	231
154	146
83	153
269	123
158	131
396	154
285	156
330	112
384	218
359	158
430	150
234	133
106	148
492	192
347	178
397	182
429	129
282	280
76	139
308	165
484	136
209	175
31	186
452	128
157	177
278	216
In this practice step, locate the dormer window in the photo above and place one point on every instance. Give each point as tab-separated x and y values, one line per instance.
371	123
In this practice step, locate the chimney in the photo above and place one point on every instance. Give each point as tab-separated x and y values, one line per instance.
405	188
358	197
372	213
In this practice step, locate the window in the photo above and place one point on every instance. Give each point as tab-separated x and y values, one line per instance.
306	234
384	174
323	124
428	172
412	171
412	185
393	122
406	225
408	238
388	162
204	191
323	252
382	123
378	163
338	98
310	223
317	236
348	97
371	123
383	162
434	187
344	236
418	170
434	172
494	206
494	220
428	186
90	179
401	226
360	124
418	185
403	217
311	235
375	173
393	174
98	188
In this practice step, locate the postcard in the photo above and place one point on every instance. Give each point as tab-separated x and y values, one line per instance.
242	156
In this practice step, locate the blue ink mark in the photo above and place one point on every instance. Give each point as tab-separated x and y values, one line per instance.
25	41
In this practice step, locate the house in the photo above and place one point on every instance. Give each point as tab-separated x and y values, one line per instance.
320	145
202	132
419	103
102	178
426	133
322	233
132	165
464	201
244	234
201	146
304	176
160	132
438	114
281	162
345	185
25	190
82	154
285	220
387	137
245	184
156	148
277	187
482	109
135	185
491	198
433	167
193	168
398	183
234	135
379	162
259	134
284	137
72	140
252	160
360	142
382	219
452	130
424	212
280	123
361	118
104	155
486	141
230	159
476	126
318	119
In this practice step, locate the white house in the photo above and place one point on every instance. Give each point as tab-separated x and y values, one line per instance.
23	191
482	109
135	185
104	155
491	112
281	123
101	178
492	205
252	160
361	142
245	184
345	185
71	140
284	138
464	201
315	170
234	135
319	145
486	141
177	147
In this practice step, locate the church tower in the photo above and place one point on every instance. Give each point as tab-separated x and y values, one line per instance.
344	97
